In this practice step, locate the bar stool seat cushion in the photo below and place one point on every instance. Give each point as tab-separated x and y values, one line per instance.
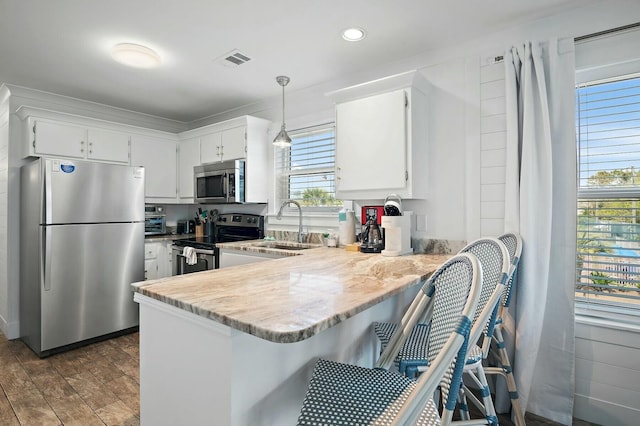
344	394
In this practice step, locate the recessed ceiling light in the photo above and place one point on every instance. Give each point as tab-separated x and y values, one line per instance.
353	34
135	55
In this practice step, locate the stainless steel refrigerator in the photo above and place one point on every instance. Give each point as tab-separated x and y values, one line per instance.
82	245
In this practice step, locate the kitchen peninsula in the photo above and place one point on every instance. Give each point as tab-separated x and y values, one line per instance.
236	346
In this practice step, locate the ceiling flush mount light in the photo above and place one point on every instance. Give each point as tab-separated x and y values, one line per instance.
353	34
135	55
282	140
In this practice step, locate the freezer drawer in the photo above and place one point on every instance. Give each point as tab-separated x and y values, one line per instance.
86	290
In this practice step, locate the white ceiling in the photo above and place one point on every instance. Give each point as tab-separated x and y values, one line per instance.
63	46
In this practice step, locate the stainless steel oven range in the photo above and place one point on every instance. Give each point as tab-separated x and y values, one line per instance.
227	227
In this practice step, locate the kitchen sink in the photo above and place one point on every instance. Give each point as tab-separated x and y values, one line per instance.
286	246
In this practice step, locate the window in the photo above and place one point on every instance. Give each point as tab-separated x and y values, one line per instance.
305	171
608	240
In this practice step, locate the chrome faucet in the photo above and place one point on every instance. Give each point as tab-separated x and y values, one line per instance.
279	216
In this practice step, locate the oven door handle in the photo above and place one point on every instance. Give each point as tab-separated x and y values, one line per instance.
180	249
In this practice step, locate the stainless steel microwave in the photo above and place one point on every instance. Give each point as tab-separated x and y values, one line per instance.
220	182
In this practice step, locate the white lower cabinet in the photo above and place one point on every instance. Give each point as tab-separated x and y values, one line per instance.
151	261
157	260
229	257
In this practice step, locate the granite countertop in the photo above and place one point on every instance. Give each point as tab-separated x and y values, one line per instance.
280	248
166	237
293	298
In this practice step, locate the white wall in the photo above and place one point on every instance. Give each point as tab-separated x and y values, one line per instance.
607	373
4	179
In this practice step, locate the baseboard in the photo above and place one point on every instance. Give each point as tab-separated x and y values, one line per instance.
603	412
11	330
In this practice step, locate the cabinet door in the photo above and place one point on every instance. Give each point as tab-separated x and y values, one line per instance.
107	145
188	157
371	143
210	147
60	139
162	261
151	269
158	157
233	144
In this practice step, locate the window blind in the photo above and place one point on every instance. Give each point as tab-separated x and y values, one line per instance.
305	170
608	210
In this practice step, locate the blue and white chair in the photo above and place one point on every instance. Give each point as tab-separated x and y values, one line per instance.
344	394
513	242
495	261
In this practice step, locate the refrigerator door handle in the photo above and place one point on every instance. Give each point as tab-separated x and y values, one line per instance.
47	191
45	259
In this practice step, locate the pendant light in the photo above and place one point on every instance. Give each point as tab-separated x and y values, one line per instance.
282	140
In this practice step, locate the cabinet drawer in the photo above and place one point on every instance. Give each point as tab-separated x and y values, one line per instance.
151	250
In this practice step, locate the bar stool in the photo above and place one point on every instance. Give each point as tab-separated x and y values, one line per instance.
344	394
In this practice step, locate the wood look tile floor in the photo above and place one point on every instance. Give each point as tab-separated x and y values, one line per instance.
97	384
93	385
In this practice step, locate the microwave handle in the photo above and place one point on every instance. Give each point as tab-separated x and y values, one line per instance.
224	184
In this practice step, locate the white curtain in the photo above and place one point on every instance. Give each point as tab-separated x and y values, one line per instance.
540	204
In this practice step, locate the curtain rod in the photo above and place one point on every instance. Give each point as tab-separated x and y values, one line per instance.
612	30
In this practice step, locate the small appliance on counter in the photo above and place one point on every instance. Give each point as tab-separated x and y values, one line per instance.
371	212
371	237
154	220
397	228
186	227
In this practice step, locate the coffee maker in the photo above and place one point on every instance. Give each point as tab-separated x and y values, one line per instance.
372	237
397	227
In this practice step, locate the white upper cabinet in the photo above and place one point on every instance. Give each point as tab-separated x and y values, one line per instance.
62	139
244	137
59	139
228	144
210	147
158	157
188	157
108	145
381	138
371	151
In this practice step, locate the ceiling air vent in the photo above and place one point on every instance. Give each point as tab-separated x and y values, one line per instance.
232	59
